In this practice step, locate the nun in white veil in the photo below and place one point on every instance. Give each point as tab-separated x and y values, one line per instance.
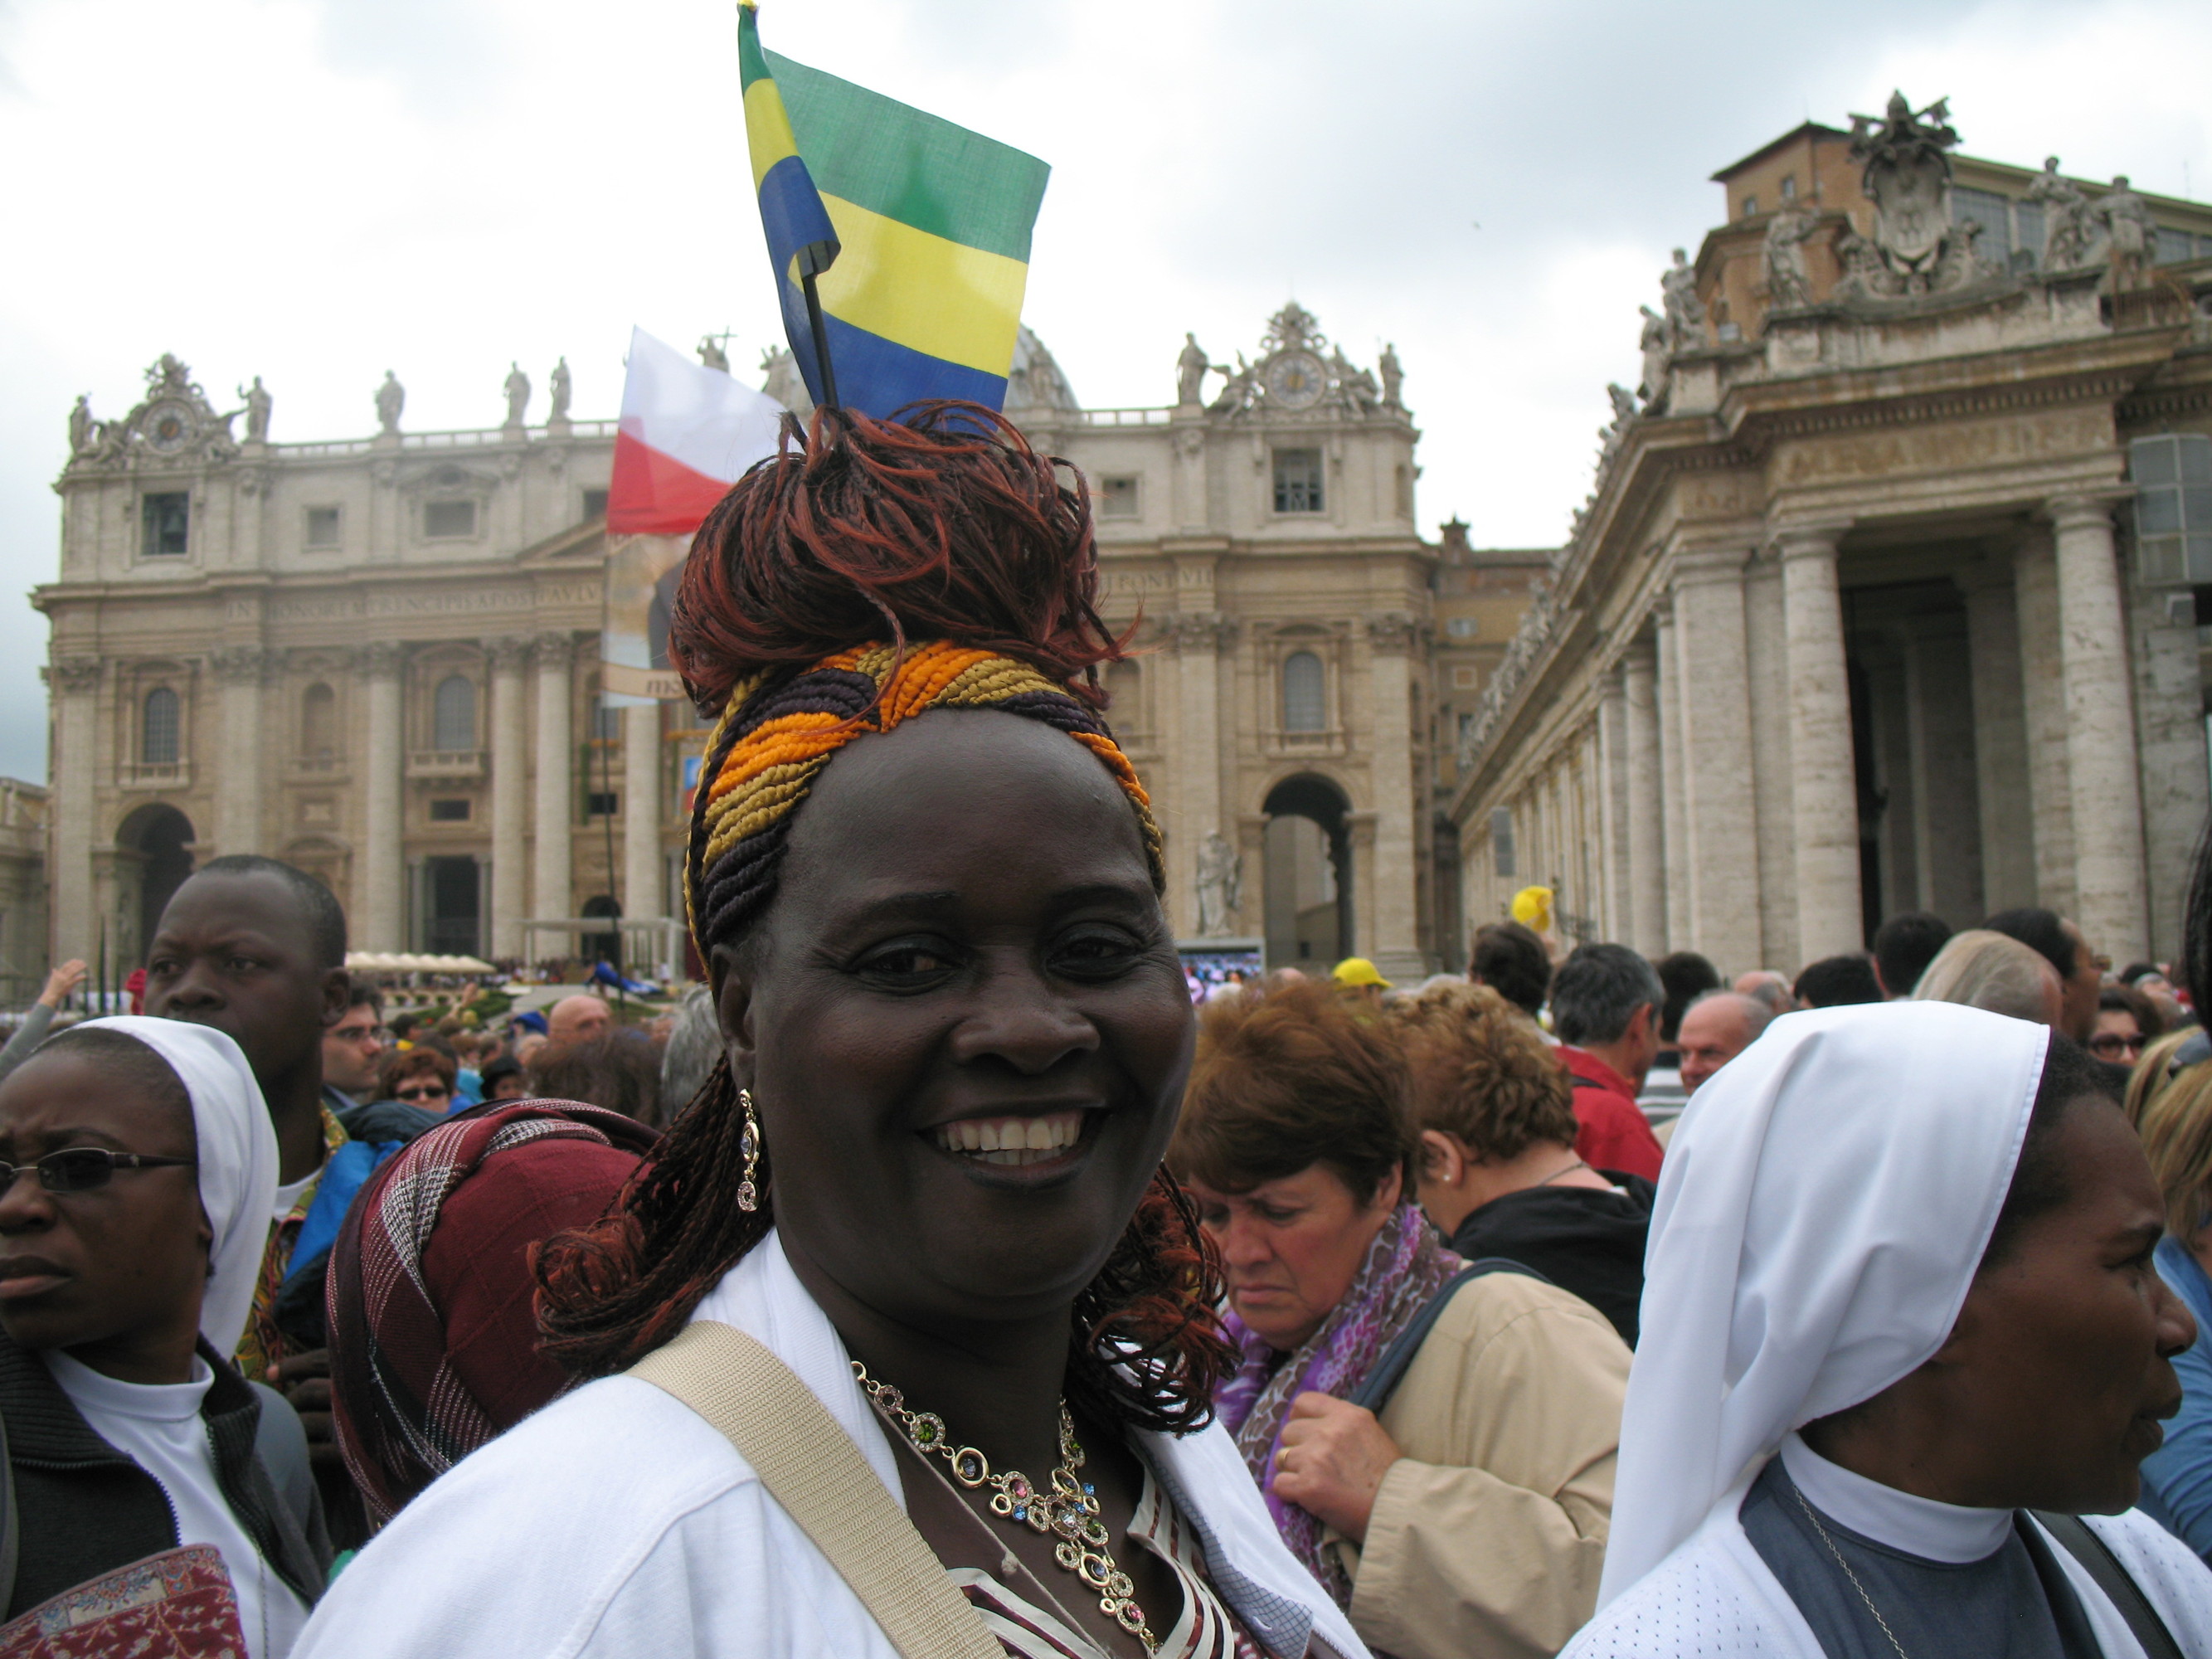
1823	1213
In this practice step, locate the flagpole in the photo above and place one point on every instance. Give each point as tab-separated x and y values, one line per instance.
821	335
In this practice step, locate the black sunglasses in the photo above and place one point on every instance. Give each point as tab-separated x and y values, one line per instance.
82	1169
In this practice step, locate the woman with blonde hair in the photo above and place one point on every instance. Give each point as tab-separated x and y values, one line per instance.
1980	969
2175	1120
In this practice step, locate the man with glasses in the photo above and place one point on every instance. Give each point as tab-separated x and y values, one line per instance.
353	1048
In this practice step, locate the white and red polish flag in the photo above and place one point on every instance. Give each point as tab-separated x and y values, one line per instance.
687	433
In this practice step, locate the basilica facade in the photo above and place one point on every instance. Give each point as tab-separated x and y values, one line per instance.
378	659
1888	593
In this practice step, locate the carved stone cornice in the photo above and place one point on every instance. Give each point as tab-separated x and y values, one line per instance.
74	676
510	652
1201	630
1392	631
242	665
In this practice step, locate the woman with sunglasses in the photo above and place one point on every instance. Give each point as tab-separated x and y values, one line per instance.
140	1177
419	1076
2127	1023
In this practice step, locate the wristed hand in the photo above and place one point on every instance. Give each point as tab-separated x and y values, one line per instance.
1332	1460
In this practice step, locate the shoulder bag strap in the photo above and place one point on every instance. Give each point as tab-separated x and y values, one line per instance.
810	1466
2081	1542
1382	1377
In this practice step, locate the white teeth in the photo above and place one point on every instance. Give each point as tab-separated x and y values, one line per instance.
1011	1140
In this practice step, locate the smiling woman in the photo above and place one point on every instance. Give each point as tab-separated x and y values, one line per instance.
925	1174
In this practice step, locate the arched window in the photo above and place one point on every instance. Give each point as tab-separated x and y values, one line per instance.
158	730
1305	706
319	724
454	714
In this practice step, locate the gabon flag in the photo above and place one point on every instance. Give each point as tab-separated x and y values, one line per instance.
914	232
687	433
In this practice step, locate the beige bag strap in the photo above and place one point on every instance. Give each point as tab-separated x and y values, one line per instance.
810	1466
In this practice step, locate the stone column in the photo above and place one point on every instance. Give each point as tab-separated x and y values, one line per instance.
242	670
1675	858
510	794
2000	768
2043	696
1195	806
73	920
552	895
380	893
1720	814
1823	780
2102	770
1394	928
1647	835
644	870
1613	922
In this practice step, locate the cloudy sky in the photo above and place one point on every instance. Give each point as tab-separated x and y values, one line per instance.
314	191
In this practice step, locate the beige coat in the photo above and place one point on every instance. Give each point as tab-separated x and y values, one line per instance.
1488	1533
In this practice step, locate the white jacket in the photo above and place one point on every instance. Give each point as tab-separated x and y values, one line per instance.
1715	1598
616	1524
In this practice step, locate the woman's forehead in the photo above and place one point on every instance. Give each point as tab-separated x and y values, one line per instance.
940	791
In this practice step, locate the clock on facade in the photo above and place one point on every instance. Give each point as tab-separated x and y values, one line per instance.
168	426
1295	380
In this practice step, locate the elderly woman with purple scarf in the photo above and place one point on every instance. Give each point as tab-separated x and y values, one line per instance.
1436	1438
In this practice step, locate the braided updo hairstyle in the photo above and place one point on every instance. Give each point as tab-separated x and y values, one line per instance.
867	573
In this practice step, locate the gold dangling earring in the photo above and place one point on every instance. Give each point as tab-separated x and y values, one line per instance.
749	1144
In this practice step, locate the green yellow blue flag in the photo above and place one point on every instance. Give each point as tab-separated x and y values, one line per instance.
915	231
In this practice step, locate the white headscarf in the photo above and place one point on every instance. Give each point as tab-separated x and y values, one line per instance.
1819	1216
237	1155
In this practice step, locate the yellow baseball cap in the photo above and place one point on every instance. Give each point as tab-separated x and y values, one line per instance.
1358	970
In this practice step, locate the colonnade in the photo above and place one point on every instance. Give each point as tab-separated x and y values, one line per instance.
1720	738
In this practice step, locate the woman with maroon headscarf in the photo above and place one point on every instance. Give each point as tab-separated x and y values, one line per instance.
433	1333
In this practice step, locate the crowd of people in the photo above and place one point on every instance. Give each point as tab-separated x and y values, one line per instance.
939	1279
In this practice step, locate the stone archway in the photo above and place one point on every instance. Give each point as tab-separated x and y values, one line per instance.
1308	867
155	842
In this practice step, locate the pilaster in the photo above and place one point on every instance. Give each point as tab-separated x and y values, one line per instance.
380	895
551	891
1646	841
72	832
1823	775
2111	903
1720	814
510	891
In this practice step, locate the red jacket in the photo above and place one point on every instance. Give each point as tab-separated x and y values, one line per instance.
1614	1135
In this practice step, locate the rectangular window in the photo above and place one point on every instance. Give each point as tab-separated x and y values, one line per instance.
1462	628
2175	247
1750	207
169	523
2172	476
449	811
595	504
1994	214
602	803
449	518
322	526
1790	187
1297	481
607	723
1501	842
1117	498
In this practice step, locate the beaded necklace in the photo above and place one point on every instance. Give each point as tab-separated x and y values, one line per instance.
1066	1510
